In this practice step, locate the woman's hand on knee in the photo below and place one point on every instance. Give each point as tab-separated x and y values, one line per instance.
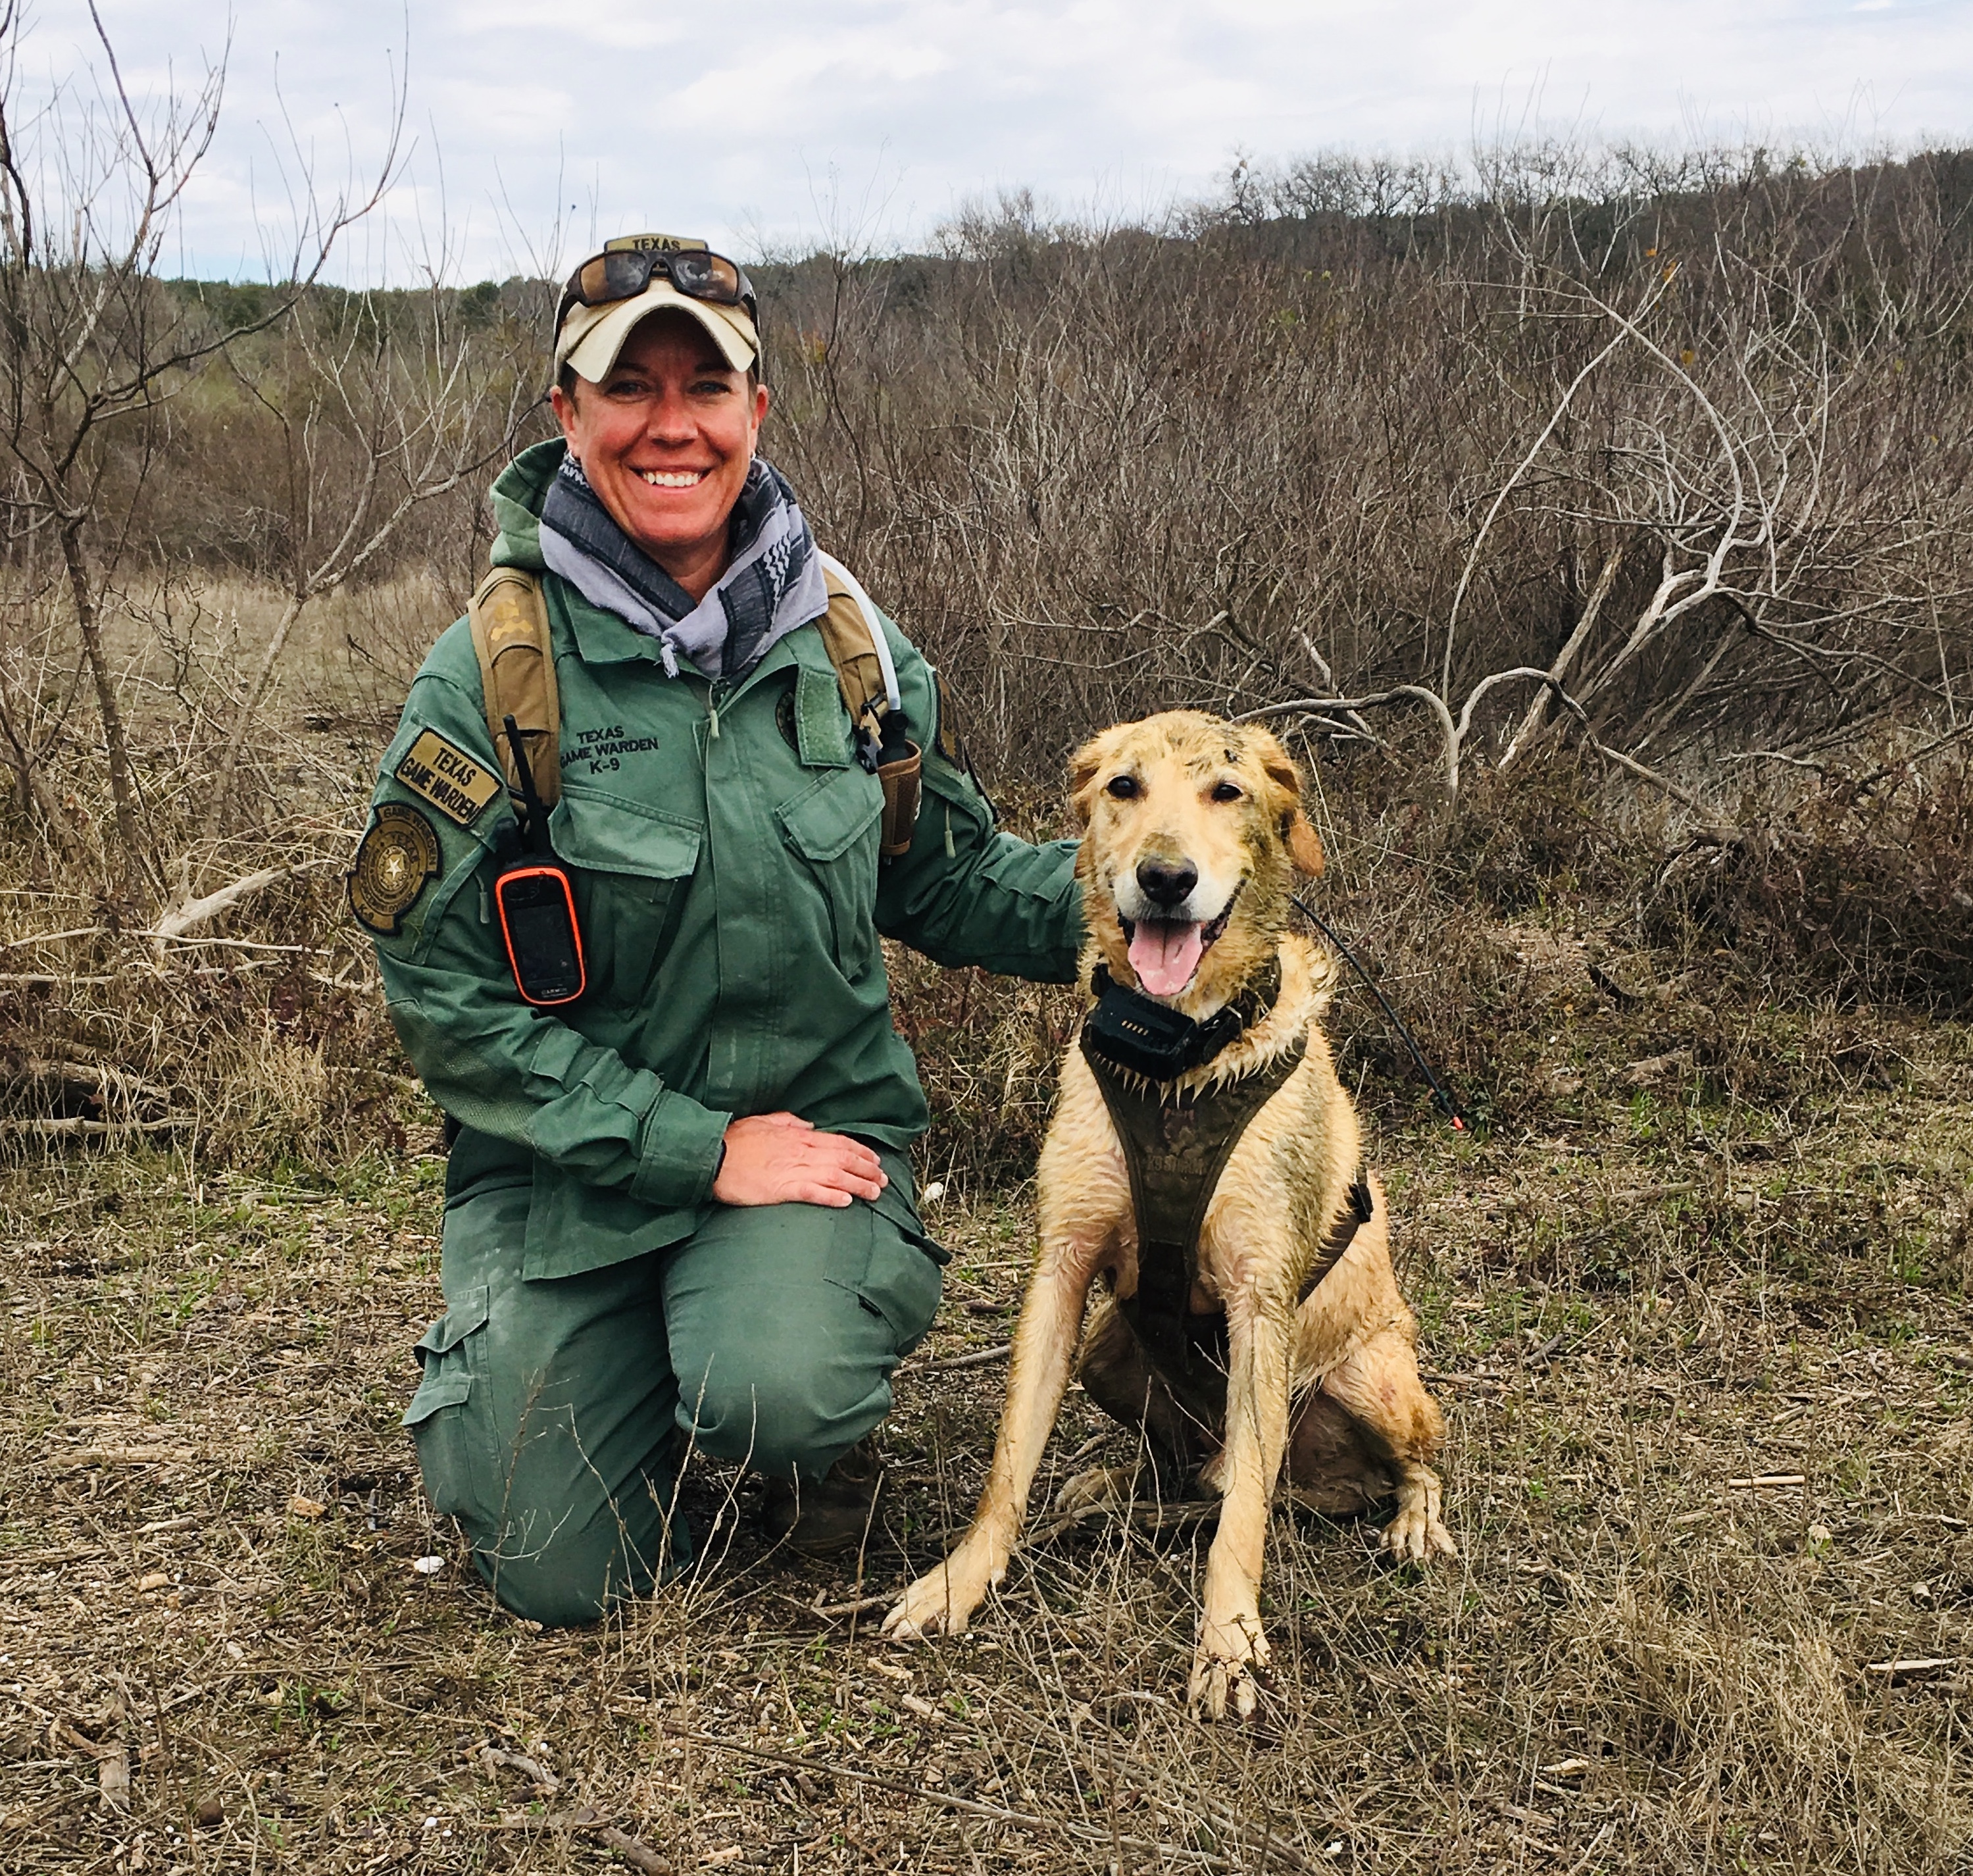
781	1159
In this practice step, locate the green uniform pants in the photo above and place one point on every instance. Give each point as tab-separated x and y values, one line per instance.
555	1414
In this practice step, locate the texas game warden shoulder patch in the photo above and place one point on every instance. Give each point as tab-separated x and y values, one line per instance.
447	777
399	856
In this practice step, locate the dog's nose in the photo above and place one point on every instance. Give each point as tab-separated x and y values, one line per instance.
1165	882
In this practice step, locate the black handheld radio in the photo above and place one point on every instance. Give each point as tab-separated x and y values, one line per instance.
537	904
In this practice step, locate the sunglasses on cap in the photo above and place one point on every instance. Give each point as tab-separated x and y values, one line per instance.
622	273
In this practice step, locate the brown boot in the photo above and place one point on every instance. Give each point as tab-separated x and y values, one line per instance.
833	1513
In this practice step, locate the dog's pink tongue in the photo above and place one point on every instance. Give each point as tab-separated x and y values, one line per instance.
1165	956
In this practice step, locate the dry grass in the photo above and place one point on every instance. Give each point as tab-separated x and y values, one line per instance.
1638	1664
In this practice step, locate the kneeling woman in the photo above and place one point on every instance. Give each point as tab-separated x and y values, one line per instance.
678	1211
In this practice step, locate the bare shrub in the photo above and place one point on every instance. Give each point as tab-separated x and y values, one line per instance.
262	1051
1329	451
1865	884
988	1055
95	345
1521	500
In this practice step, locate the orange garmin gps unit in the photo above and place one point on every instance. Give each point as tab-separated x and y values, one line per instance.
537	904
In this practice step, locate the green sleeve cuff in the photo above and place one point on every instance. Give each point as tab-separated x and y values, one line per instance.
678	1158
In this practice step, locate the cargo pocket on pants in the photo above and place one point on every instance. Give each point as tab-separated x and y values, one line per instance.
440	1415
904	1279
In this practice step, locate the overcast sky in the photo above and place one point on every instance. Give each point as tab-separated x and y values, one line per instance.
871	120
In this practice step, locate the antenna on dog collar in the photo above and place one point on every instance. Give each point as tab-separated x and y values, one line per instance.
1447	1105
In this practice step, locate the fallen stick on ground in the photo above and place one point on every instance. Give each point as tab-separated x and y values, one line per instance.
51	1129
1145	1517
245	945
1643	1195
495	1760
125	1455
181	917
634	1850
55	938
1027	1820
1089	1448
857	1606
980	1358
43	1559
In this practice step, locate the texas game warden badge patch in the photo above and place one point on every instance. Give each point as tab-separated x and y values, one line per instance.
447	777
399	854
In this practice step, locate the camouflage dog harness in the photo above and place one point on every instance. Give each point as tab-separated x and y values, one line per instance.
1176	1147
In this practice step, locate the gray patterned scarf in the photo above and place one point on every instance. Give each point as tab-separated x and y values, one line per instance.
772	585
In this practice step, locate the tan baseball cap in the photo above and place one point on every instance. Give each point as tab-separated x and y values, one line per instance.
590	338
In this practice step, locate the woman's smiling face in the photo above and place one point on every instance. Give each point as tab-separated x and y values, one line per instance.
665	440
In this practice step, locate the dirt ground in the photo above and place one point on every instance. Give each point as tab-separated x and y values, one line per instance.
1706	1371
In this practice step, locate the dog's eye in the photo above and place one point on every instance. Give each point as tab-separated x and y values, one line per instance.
1124	787
1225	791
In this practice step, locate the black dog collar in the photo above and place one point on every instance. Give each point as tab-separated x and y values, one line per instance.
1151	1039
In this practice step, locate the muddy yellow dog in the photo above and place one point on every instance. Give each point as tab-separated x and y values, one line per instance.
1263	1331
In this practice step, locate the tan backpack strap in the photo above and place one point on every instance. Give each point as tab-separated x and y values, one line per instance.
869	679
853	650
900	779
517	674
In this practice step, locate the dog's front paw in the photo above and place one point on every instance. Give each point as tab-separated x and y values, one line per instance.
1224	1669
941	1601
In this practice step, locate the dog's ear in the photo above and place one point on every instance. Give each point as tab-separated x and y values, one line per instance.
1304	845
1084	766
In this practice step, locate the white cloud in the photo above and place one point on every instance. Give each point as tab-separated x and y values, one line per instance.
740	122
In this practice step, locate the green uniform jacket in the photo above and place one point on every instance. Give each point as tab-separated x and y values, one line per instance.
723	842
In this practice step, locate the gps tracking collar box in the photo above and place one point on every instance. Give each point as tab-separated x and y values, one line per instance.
537	904
1151	1038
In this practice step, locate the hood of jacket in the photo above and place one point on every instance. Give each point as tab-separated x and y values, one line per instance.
518	496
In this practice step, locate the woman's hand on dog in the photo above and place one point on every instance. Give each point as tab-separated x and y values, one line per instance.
781	1159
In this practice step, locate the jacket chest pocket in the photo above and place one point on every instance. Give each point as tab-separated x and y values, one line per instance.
634	866
831	825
